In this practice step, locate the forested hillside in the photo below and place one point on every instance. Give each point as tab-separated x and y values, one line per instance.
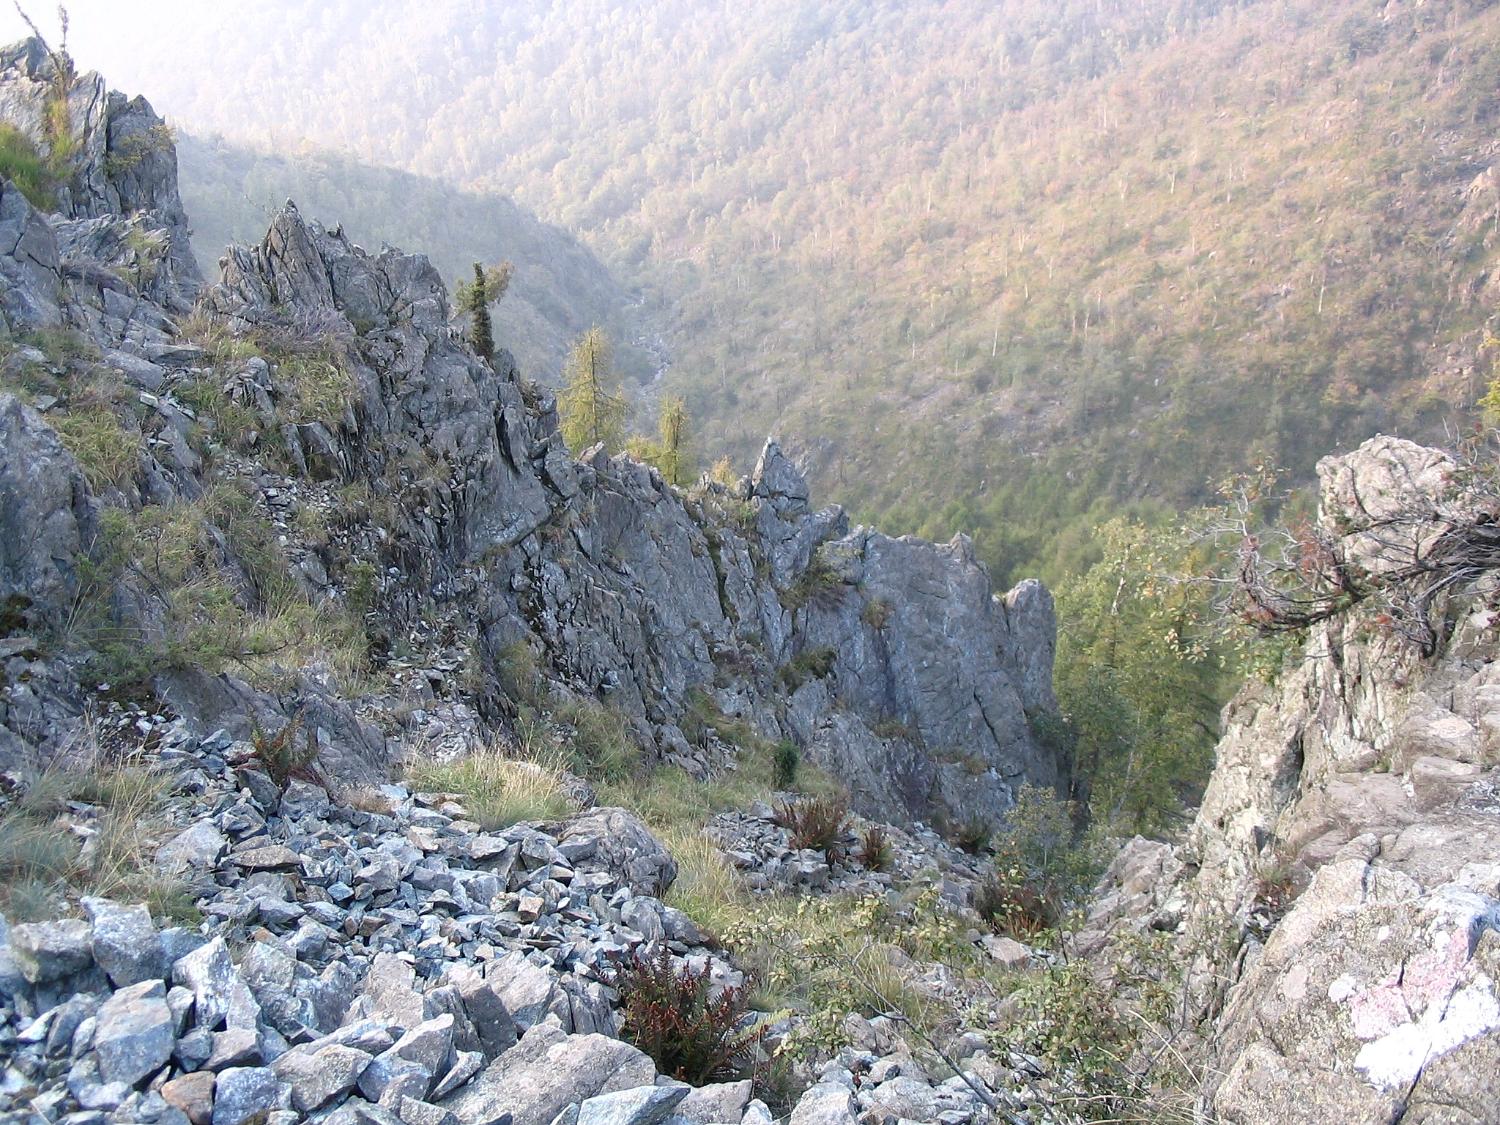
994	266
558	290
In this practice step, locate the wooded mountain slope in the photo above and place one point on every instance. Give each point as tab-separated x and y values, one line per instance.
995	266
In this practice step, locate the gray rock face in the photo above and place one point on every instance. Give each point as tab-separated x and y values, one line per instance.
45	516
1361	786
125	164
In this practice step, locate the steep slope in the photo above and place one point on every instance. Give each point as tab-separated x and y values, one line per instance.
327	386
1338	896
559	289
986	262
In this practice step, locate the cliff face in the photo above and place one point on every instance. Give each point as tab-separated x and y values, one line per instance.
889	660
1345	865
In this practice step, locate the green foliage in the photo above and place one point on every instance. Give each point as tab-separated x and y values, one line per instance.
787	760
1043	866
600	745
670	1012
127	155
499	789
877	613
108	453
590	407
474	300
875	852
23	165
829	955
282	754
212	587
820	586
1140	679
44	863
811	664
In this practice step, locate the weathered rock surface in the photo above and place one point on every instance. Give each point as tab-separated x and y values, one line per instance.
1349	836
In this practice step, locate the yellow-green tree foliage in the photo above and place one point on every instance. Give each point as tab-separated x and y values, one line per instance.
673	458
591	406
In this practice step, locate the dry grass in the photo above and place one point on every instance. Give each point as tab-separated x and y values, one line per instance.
52	852
497	787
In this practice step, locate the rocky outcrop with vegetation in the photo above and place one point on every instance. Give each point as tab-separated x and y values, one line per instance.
358	741
1339	891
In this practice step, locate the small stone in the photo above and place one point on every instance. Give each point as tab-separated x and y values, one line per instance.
134	1034
429	1044
271	858
389	1078
193	1094
197	847
319	1078
48	951
125	944
303	798
243	1094
238	1046
219	996
644	1105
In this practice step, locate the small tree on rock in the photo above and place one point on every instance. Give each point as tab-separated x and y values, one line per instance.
475	299
590	405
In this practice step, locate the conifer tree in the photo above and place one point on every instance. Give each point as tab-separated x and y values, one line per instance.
474	300
672	457
590	406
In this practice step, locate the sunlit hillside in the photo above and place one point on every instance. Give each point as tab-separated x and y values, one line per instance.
985	264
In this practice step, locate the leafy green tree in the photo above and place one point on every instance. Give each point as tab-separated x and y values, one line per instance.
1139	678
674	461
591	407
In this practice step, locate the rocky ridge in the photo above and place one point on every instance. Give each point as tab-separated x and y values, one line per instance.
1338	896
366	953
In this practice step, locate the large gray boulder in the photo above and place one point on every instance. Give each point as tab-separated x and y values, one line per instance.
547	1071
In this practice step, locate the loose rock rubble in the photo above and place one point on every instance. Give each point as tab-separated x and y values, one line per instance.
393	963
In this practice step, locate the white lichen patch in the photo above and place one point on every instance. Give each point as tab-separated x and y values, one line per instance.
1396	1058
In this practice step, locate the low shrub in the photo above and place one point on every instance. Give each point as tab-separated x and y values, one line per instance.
1015	906
877	613
814	664
819	823
282	754
819	586
46	861
600	747
23	165
671	1013
875	852
786	761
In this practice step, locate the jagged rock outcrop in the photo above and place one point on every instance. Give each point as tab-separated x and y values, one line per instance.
1345	862
632	591
117	202
891	661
